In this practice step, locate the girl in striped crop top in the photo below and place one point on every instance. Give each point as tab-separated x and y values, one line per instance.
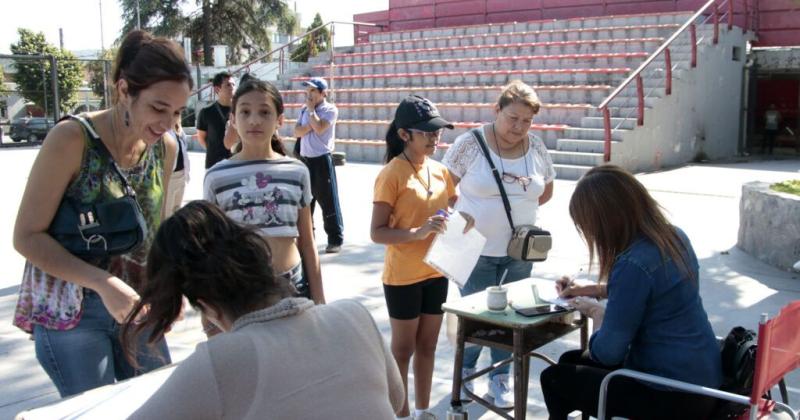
261	187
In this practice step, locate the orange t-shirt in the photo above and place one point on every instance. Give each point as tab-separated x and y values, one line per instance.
399	187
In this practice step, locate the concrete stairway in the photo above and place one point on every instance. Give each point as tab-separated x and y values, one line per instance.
572	64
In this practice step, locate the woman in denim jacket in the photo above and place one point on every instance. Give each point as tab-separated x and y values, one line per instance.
654	320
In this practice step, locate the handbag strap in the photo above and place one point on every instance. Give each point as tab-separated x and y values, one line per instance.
103	150
482	142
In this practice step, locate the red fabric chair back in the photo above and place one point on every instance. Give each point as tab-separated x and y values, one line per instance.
778	350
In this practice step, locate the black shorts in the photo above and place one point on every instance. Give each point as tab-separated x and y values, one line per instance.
407	302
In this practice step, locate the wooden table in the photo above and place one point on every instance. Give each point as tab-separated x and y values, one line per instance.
509	331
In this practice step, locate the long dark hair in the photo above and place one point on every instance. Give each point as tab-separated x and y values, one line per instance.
201	253
144	60
394	143
611	208
252	84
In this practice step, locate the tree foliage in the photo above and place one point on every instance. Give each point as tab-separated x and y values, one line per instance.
312	45
96	76
33	76
242	25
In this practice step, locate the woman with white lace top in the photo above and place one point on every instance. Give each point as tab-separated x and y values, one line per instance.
527	173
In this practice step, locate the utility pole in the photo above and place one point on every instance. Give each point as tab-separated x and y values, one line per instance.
138	16
102	41
44	90
61	38
106	100
54	81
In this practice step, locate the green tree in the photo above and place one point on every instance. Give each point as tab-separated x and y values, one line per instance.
161	17
33	76
242	25
2	80
312	45
96	76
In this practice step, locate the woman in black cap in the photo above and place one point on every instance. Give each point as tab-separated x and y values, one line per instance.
410	191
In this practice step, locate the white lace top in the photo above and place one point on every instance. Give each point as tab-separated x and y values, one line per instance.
479	195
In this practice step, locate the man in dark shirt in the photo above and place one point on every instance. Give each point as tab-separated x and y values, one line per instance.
213	128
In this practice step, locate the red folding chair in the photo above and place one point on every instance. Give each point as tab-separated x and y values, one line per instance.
778	354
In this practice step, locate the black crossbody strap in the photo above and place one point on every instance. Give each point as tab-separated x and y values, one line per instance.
101	147
482	142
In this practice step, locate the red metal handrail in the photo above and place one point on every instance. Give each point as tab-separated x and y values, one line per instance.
664	48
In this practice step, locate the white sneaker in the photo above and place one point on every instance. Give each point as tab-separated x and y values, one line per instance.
469	385
501	392
425	415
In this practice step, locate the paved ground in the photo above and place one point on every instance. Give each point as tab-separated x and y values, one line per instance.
702	199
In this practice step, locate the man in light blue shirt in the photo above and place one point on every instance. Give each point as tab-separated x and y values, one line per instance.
315	127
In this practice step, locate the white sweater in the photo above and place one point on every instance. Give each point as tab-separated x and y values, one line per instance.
290	361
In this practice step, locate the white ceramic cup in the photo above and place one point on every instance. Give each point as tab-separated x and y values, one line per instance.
496	298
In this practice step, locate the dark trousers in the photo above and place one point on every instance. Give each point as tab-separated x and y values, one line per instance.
326	192
769	140
574	384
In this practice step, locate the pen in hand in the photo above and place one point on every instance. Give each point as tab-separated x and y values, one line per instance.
566	283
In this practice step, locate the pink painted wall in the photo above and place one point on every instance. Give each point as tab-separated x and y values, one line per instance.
778	20
779	23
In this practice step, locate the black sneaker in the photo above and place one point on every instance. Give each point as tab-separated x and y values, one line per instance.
332	249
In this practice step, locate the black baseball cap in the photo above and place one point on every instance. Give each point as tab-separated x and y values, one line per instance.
420	114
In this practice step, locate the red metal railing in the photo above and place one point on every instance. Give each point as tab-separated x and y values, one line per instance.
690	25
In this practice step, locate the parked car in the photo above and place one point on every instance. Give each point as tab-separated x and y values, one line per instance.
30	128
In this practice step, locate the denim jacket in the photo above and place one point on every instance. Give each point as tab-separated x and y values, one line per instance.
654	320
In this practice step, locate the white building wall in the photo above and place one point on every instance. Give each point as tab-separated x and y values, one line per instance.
700	119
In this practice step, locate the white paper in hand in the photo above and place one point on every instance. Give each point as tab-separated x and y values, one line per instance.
455	253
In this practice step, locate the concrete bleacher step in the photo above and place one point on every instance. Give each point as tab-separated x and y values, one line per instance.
566	76
624	59
576	158
617	32
608	60
569	114
620	123
489	40
633	101
547	24
547	94
520	48
570	172
582	145
591	133
376	129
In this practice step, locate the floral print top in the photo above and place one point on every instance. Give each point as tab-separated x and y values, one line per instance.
55	303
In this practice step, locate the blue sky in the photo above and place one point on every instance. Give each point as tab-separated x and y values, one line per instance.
80	19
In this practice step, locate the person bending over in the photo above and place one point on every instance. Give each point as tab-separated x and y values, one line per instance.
654	320
279	357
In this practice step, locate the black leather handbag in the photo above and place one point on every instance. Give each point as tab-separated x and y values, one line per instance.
100	229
